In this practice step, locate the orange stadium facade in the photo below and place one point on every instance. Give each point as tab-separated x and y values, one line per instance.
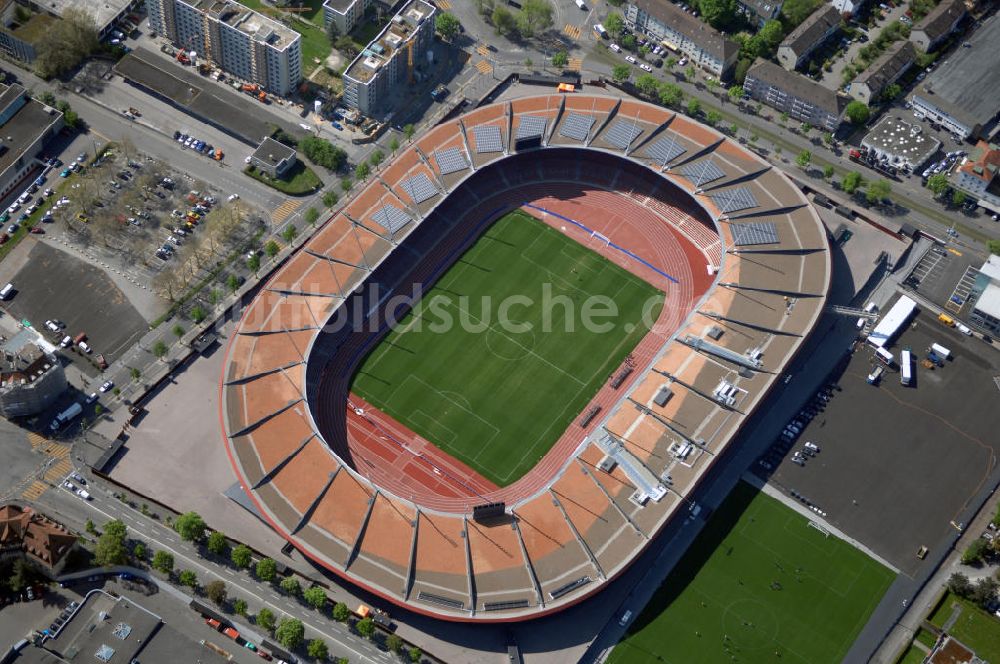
745	266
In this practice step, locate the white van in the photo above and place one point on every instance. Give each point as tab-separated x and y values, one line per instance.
964	330
6	291
581	5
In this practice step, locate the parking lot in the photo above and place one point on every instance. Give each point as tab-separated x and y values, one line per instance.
945	276
896	465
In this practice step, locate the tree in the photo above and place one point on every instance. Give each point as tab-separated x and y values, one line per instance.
671	95
190	526
265	618
178	330
408	131
938	183
851	182
139	551
289	233
796	11
159	349
253	264
713	117
629	42
323	153
65	44
784	117
393	144
857	112
958	197
332	32
241	556
394	643
217	543
803	158
693	106
366	627
330	198
110	549
560	59
232	283
878	191
770	35
267	569
340	612
346	184
959	584
271	249
827	172
20	577
290	633
503	21
240	607
447	25
135	374
317	649
615	25
647	85
689	72
415	654
163	561
198	314
216	591
717	13
312	216
621	73
985	590
362	171
188	578
891	91
828	138
735	93
291	586
974	553
285	138
90	527
315	597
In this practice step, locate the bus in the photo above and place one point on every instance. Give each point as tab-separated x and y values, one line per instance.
906	371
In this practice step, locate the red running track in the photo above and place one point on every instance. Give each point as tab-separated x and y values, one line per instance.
411	467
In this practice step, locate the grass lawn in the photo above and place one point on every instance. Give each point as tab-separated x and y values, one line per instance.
974	627
925	638
493	396
298	180
913	655
759	584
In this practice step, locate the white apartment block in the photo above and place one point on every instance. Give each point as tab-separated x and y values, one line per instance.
345	14
390	59
684	33
240	41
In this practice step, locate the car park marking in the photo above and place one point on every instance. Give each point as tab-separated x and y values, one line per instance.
284	211
484	67
962	290
34	491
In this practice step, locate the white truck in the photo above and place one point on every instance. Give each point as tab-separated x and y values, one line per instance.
62	418
581	5
599	29
941	351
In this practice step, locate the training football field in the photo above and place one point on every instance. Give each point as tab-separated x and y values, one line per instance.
759	584
495	361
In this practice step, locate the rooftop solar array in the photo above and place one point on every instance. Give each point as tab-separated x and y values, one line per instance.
576	126
488	138
702	172
530	126
664	150
391	218
763	232
450	160
733	200
419	187
622	133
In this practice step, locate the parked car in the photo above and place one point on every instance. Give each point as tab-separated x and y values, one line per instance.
107	385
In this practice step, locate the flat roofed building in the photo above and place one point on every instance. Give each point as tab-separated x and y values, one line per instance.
985	295
273	157
25	126
345	14
792	93
940	22
239	40
106	13
682	32
849	7
963	94
885	71
389	60
899	143
812	33
977	176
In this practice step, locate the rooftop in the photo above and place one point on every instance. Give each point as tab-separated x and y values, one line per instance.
44	540
967	85
799	86
339	6
104	12
983	163
256	25
897	57
991	268
688	25
273	152
941	18
29	122
902	141
812	29
389	40
36	26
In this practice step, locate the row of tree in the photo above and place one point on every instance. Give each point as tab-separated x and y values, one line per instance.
534	17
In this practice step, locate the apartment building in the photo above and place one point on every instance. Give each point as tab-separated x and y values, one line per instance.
683	33
239	40
788	92
759	12
812	33
25	126
31	378
389	60
885	71
345	14
979	176
940	22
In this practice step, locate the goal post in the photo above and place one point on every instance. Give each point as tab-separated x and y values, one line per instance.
600	237
813	524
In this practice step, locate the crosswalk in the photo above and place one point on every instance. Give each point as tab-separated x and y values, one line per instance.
58	471
34	491
285	210
576	64
55	469
443	4
572	31
484	67
37	440
483	50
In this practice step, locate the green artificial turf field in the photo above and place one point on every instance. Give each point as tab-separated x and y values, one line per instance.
758	585
498	396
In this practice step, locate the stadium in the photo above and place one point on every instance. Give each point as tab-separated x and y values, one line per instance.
501	474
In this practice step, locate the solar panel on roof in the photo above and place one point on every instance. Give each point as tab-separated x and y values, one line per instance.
450	160
576	126
758	232
391	218
702	172
622	133
664	150
419	187
530	126
488	138
732	200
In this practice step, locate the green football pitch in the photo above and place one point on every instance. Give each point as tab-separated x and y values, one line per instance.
494	362
759	584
